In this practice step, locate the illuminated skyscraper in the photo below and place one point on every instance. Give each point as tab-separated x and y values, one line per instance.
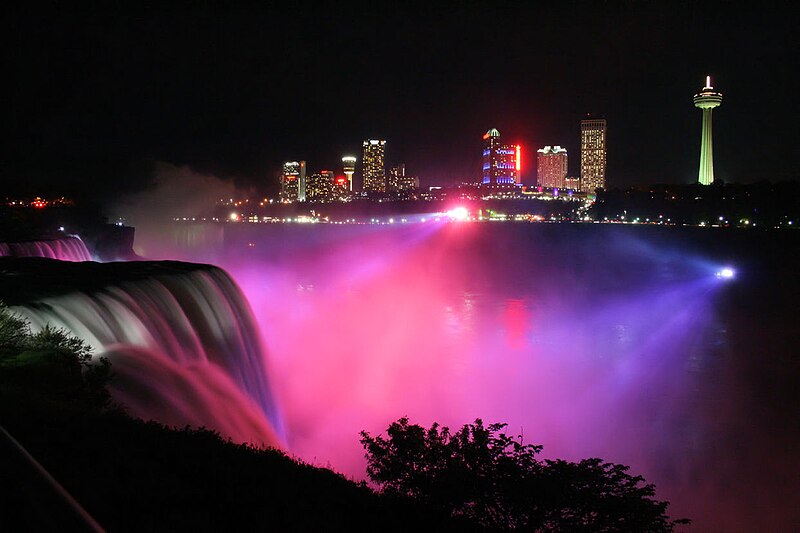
551	167
409	184
349	164
320	186
593	154
707	99
293	181
373	167
501	162
401	185
341	190
396	175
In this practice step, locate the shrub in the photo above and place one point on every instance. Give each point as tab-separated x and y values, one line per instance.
51	363
482	474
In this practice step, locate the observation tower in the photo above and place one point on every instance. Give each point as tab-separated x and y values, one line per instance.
707	99
349	163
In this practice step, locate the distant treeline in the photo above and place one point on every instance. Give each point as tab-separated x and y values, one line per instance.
763	204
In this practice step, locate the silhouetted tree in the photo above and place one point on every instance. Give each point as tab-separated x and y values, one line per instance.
14	332
51	362
480	473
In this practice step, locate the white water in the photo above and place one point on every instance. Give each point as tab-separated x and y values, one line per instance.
184	350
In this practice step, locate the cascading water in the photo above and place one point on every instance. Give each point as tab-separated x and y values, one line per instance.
68	248
181	339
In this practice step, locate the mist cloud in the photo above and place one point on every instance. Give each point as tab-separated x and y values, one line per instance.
175	192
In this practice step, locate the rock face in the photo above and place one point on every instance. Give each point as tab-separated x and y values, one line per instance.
110	242
180	336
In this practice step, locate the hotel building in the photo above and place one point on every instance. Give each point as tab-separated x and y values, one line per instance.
593	154
551	169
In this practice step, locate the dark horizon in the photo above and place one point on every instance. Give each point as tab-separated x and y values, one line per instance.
98	96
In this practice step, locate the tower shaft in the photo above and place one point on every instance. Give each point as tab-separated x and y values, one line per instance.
706	175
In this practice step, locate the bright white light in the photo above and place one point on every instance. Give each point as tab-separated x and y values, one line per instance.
459	213
726	273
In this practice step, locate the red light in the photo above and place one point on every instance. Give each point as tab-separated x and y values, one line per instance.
485	135
519	158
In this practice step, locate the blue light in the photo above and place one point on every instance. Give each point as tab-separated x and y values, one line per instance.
726	273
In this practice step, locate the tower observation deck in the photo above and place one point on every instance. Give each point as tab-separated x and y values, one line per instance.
706	100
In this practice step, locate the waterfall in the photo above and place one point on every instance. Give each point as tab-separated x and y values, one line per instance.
68	248
183	345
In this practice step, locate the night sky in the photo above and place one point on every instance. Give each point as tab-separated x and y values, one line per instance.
95	96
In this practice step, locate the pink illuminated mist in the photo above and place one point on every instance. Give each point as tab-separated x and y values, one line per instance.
593	341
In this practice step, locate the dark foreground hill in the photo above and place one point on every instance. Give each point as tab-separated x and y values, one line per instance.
135	476
131	475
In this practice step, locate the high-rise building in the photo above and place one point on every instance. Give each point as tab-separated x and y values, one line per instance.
396	175
293	181
593	154
341	189
501	162
373	167
707	99
551	169
319	187
401	185
409	184
349	164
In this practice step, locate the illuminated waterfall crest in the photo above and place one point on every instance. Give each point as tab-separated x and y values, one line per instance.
68	248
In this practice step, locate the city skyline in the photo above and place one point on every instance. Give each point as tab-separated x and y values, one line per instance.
99	97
